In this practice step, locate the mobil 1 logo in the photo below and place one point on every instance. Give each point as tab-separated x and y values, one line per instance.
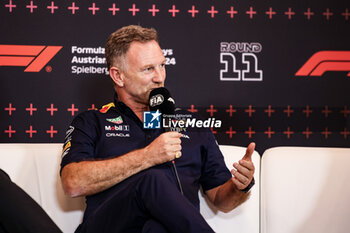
239	61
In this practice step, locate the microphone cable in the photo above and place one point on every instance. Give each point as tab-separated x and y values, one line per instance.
177	177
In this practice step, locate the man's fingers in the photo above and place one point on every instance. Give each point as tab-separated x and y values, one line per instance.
172	141
244	167
171	138
247	164
241	177
178	154
175	148
237	183
249	152
173	134
240	181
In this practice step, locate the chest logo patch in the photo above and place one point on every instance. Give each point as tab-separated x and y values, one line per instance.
118	120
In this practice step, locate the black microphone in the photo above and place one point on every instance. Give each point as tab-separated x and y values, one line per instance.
160	99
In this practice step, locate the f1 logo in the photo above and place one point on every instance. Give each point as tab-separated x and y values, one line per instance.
151	119
324	61
35	57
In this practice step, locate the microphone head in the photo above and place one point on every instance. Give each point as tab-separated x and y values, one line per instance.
160	99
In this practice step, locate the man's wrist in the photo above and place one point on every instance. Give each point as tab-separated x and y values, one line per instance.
247	189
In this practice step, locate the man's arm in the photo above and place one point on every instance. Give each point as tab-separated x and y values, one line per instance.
228	196
90	177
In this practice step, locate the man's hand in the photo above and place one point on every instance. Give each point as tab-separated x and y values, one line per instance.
164	148
243	171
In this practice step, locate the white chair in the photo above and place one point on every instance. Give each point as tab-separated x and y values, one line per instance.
35	168
245	218
305	190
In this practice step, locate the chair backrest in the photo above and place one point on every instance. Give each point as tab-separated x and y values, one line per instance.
305	190
35	168
245	218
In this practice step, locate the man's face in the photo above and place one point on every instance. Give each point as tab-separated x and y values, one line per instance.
144	70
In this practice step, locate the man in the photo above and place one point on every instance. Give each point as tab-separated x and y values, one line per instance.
19	212
124	170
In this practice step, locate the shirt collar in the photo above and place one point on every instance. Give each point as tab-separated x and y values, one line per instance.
120	105
123	108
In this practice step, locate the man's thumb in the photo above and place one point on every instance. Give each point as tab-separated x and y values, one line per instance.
249	152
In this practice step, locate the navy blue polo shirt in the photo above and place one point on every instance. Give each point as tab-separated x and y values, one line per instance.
115	130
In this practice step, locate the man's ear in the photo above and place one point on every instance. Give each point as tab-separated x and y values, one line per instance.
117	76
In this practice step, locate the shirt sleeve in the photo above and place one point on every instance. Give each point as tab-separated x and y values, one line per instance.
214	170
80	139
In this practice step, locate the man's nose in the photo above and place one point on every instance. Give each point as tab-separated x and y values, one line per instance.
159	75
